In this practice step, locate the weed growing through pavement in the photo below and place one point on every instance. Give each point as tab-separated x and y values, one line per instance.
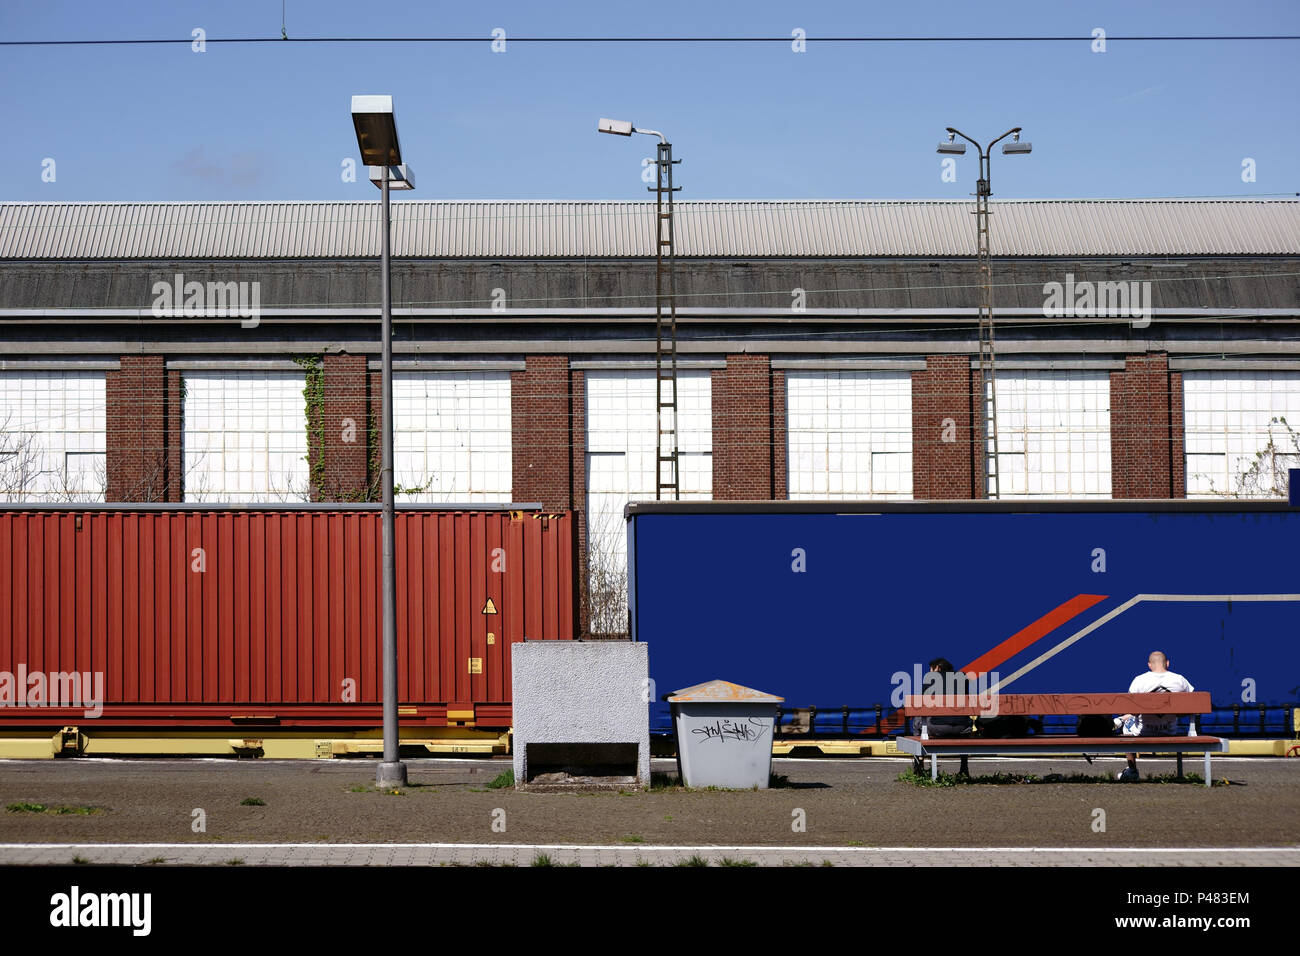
728	861
252	802
633	838
502	780
155	860
235	861
60	810
955	780
695	860
80	860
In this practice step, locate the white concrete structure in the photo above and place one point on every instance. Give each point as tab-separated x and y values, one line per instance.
582	706
849	434
621	466
245	436
1054	434
452	436
52	436
1230	418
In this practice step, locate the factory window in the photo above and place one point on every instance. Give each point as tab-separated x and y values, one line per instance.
1242	432
1054	434
451	438
52	436
849	434
245	436
621	451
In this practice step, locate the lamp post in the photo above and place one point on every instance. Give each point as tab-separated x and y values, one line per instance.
377	139
988	395
665	308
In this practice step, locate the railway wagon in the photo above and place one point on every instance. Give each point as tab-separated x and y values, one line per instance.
841	605
246	619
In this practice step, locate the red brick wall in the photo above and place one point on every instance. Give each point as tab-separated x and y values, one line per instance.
345	445
541	423
946	389
1146	429
780	439
743	441
548	448
143	431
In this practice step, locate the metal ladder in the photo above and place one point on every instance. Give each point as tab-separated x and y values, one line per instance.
665	328
988	391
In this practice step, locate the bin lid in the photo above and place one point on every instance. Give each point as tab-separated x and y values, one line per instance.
723	691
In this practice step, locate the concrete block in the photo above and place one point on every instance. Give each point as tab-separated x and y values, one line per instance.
581	713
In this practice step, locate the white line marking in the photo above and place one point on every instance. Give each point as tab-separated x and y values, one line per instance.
642	847
1137	599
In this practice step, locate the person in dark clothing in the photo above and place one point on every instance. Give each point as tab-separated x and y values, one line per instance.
954	682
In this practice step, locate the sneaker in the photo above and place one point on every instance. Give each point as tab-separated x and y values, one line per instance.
1128	775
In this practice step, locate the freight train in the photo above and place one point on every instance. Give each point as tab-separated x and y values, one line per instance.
244	623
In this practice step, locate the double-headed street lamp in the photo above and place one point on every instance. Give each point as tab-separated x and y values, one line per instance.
377	139
988	396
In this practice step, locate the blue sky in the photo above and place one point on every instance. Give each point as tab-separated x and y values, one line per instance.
270	121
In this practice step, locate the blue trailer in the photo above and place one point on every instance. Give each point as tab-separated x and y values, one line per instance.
839	604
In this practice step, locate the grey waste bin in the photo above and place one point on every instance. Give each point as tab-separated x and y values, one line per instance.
724	735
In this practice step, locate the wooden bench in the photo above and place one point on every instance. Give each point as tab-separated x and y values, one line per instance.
1069	705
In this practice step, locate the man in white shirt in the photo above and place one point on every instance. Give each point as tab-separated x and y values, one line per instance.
1158	679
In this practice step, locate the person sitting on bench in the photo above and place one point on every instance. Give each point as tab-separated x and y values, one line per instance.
1158	679
945	726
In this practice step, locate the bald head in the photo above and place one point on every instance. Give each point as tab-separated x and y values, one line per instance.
1157	663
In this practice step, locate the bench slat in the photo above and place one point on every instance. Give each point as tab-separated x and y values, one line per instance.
1036	705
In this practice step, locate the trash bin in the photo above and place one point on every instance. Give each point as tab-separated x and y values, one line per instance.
724	735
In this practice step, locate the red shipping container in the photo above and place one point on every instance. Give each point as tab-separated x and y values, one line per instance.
200	617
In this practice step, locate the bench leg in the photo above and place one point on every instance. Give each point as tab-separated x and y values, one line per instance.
1208	781
1180	765
934	767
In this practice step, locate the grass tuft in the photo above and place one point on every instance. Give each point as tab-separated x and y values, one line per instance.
695	860
61	810
502	780
728	861
252	802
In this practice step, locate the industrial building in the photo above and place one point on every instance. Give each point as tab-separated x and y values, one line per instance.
229	352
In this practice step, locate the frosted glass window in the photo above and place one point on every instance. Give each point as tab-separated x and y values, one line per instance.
52	436
1053	434
245	436
1242	432
849	435
452	438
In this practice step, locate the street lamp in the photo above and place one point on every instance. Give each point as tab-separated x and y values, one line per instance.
665	309
377	139
983	190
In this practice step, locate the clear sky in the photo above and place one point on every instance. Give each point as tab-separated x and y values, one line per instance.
271	121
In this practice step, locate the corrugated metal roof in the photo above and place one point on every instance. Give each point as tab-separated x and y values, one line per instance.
748	229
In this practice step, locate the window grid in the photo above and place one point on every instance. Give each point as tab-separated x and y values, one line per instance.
245	436
452	436
849	435
52	436
1230	419
1054	434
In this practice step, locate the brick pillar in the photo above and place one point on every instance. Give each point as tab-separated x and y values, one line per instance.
1146	429
344	449
143	431
548	449
946	461
780	439
742	429
541	432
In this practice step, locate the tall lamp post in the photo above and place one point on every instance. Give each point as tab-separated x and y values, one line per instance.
665	309
377	139
988	396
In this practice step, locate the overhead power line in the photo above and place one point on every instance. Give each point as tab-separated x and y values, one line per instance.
1184	38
